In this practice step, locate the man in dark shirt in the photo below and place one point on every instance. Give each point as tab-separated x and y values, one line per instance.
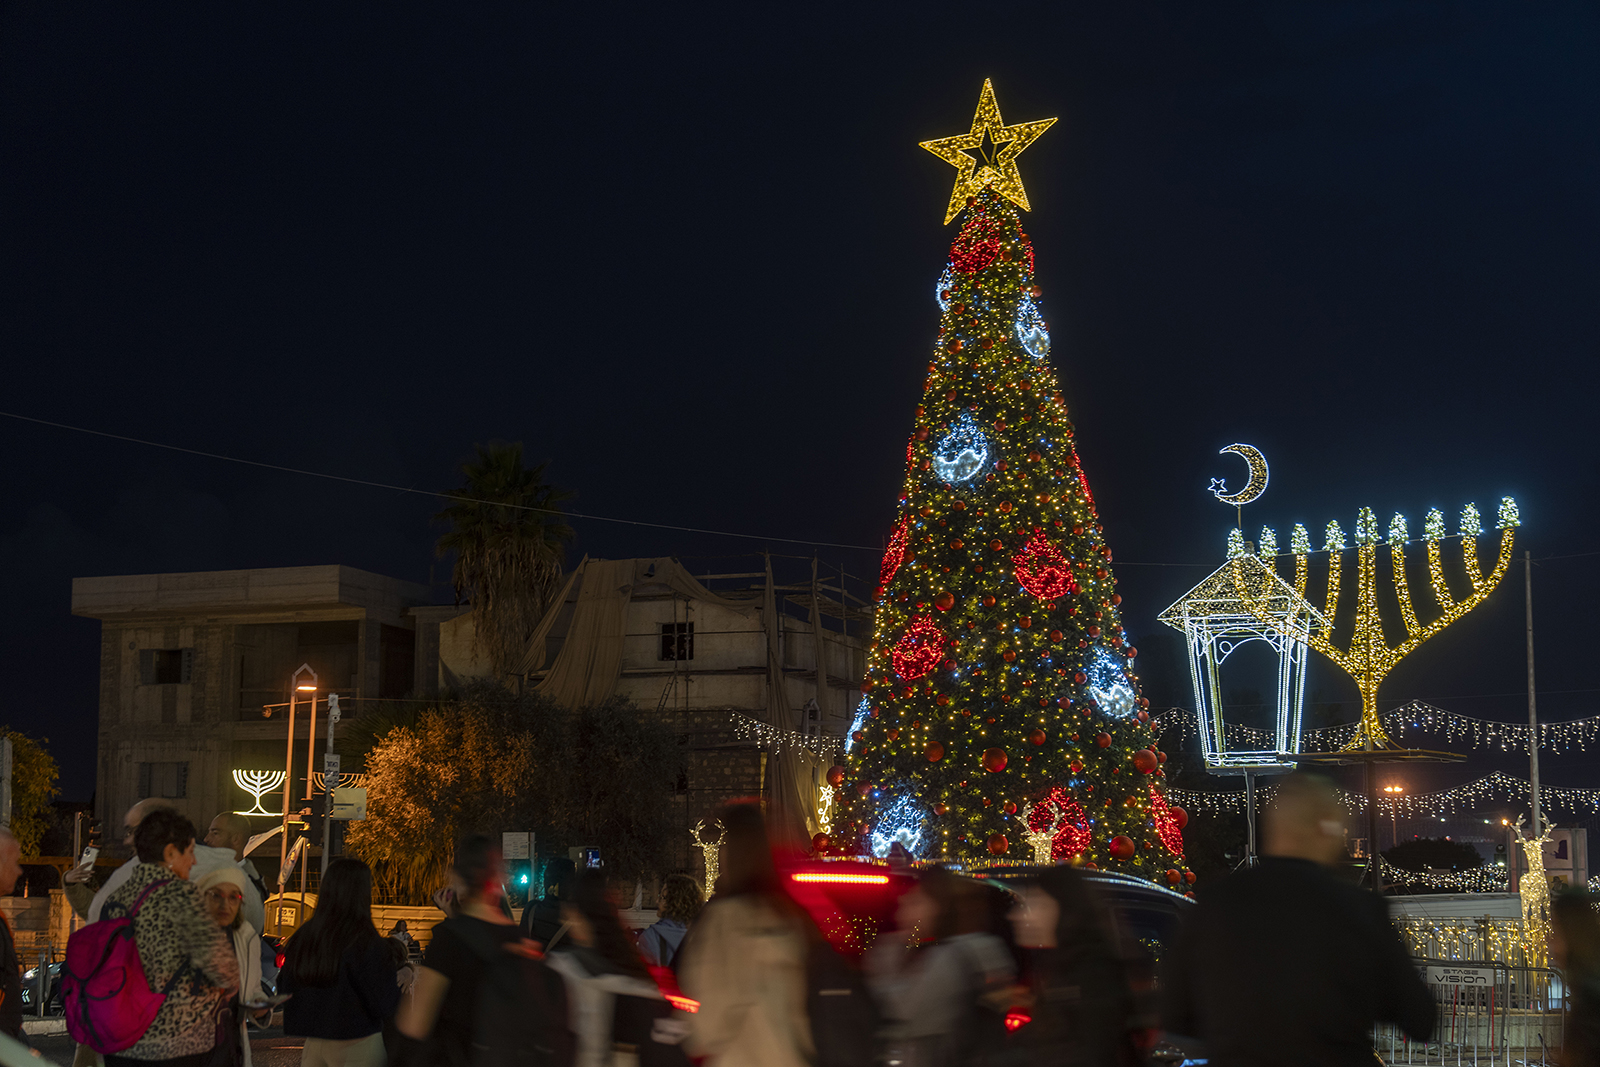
10	982
1284	963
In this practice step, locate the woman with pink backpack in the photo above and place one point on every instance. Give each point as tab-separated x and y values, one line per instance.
189	968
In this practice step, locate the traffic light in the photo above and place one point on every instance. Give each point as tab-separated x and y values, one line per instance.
1500	855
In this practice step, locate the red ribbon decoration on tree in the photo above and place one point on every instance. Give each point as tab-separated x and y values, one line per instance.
1042	570
1062	817
1166	823
976	246
896	552
919	649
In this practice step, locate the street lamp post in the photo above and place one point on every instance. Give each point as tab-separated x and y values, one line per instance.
304	680
1394	792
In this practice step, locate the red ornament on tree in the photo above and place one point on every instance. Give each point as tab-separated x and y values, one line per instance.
1103	740
835	775
1121	848
1037	738
994	760
944	601
863	788
977	245
895	554
998	844
1042	570
919	649
934	752
1179	816
821	842
1144	761
1166	823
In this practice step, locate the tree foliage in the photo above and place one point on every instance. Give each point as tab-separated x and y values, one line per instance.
33	787
492	761
1433	853
509	544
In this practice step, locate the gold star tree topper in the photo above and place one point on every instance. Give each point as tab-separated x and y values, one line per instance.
988	154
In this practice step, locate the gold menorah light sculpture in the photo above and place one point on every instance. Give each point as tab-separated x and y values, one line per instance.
258	784
1369	657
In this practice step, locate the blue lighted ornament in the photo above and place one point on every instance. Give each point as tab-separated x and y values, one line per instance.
962	453
1031	330
1110	685
863	710
904	820
947	284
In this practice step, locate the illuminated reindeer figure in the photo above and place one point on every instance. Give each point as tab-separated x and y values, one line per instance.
1039	840
1534	887
1369	657
708	849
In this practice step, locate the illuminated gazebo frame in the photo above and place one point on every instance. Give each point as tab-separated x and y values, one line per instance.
1216	620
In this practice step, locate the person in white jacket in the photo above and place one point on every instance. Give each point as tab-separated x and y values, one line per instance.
222	892
744	960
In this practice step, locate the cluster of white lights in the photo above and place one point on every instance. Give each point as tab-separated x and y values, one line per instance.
903	821
962	453
1110	686
1031	329
863	710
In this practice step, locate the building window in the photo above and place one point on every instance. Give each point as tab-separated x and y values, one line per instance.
677	640
168	780
166	666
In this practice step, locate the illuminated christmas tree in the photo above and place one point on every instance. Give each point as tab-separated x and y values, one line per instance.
1001	720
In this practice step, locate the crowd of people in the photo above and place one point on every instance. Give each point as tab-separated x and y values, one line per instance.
967	975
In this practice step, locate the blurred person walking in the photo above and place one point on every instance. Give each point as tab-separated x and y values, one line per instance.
1575	948
941	976
182	949
541	919
341	975
1284	962
680	904
222	892
10	962
597	958
483	996
1076	991
745	959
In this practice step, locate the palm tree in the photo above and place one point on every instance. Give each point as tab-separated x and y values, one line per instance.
509	546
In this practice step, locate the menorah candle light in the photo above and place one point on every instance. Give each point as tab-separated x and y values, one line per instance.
1368	657
258	784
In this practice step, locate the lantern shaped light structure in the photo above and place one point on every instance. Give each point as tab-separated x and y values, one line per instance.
1244	601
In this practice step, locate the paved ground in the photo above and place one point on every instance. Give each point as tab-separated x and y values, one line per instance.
269	1049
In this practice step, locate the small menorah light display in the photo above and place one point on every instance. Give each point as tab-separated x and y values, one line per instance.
1368	657
258	784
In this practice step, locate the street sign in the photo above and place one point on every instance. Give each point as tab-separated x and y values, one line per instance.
1449	974
330	767
516	845
349	803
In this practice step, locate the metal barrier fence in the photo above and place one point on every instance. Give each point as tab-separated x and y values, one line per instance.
1486	1013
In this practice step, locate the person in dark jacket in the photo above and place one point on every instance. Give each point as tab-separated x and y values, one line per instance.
342	975
10	964
1575	948
1076	990
1284	962
541	920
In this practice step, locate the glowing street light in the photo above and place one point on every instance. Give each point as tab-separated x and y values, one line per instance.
1395	792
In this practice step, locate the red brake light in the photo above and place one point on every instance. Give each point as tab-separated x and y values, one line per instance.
1016	1019
278	960
841	878
683	1003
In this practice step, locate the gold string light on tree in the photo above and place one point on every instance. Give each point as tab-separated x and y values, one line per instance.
1368	657
999	669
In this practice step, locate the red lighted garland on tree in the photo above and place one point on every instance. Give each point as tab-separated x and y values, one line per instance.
1064	818
977	245
1166	823
919	649
896	552
1042	570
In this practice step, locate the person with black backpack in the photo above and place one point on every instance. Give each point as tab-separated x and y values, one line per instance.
483	995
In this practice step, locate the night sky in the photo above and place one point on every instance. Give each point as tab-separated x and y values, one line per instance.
687	255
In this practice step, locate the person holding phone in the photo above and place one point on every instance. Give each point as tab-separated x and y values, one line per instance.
222	892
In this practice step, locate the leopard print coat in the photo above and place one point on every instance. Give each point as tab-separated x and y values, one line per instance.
174	932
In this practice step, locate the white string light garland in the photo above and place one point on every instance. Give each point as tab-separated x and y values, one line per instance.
1496	787
778	740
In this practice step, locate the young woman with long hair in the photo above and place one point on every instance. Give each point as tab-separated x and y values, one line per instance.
745	960
341	974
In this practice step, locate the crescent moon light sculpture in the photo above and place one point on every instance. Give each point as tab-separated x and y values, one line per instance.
1258	477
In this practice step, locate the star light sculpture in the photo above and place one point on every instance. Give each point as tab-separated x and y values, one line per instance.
987	154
